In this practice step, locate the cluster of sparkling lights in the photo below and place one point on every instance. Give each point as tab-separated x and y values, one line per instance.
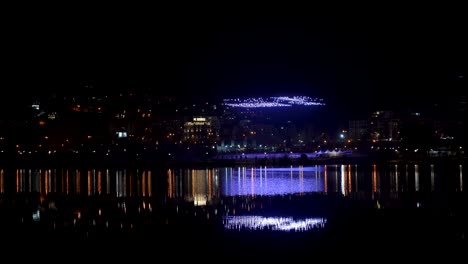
255	222
281	101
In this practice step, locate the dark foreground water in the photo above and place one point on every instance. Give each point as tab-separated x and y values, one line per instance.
243	213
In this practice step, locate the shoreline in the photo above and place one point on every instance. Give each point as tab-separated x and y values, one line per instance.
210	163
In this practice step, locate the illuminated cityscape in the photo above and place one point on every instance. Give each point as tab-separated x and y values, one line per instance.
193	134
153	130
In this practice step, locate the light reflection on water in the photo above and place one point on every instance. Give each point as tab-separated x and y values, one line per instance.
256	222
271	181
461	178
242	198
119	183
201	186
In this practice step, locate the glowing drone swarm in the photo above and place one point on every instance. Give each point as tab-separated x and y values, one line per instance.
281	101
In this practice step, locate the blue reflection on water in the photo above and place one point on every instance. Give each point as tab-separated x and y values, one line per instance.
255	222
271	181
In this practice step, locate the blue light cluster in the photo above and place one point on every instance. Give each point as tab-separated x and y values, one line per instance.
299	100
281	101
255	222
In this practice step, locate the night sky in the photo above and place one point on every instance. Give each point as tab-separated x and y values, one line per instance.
358	58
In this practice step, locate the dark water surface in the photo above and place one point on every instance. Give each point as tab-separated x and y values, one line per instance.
237	213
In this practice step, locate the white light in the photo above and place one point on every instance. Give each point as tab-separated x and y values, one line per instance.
36	216
283	101
122	134
273	223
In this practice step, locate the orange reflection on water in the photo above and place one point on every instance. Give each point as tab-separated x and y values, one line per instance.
99	182
170	184
192	184
200	187
89	182
349	179
149	183
374	178
325	179
17	181
46	184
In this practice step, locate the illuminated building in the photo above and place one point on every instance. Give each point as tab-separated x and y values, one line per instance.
201	130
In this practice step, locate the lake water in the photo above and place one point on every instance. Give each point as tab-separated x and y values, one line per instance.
204	185
245	207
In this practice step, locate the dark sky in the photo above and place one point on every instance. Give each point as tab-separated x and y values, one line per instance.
345	56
